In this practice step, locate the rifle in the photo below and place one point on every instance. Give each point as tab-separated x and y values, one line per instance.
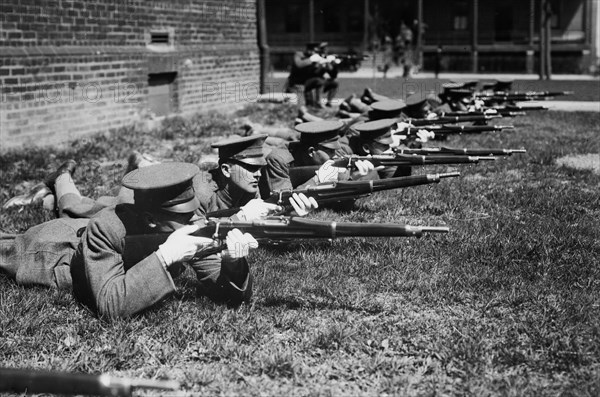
336	191
452	119
456	129
538	94
277	229
467	152
35	381
504	112
299	175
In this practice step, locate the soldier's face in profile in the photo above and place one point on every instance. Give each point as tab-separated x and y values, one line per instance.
166	222
244	176
375	148
320	154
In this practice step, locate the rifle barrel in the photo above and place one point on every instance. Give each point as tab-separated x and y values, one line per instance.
35	381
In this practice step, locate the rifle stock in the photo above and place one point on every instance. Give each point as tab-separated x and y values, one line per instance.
35	381
336	191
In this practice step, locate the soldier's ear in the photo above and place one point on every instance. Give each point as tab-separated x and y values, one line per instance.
366	148
311	151
226	170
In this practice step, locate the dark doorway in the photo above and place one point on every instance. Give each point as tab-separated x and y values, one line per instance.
162	96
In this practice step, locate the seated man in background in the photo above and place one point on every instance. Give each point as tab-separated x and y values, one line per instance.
115	277
306	70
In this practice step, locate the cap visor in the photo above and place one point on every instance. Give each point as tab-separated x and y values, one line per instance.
331	145
388	140
183	208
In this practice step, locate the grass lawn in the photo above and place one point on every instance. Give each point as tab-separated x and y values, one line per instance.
400	87
507	303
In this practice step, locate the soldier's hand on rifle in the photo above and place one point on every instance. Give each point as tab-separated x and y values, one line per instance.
316	58
238	244
363	167
424	136
328	173
181	247
256	209
302	204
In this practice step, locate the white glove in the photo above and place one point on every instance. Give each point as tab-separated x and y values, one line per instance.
431	116
490	111
181	247
424	135
315	58
397	138
330	58
239	244
363	167
328	173
302	204
401	126
256	209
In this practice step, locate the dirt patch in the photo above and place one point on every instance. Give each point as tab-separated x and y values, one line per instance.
590	161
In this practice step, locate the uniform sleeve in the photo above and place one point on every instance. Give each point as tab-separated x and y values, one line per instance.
218	285
277	172
117	292
301	61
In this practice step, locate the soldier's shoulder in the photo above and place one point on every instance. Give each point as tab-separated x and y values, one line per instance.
280	155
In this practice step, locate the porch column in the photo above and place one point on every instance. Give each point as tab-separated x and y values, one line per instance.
311	20
419	38
529	61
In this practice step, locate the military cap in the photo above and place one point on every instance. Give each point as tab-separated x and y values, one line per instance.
458	93
386	109
248	149
323	44
503	85
323	133
416	105
470	84
165	186
452	85
378	130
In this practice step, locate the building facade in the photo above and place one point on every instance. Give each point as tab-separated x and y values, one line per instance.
71	68
474	35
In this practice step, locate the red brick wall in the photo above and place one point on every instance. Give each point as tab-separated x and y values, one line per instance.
70	68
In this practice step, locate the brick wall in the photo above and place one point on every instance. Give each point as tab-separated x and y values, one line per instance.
70	68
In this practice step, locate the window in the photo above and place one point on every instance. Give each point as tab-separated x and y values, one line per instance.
331	17
461	16
292	18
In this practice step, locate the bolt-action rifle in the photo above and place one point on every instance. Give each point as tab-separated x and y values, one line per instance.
36	381
533	94
503	111
299	175
337	191
459	151
452	119
278	228
456	129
